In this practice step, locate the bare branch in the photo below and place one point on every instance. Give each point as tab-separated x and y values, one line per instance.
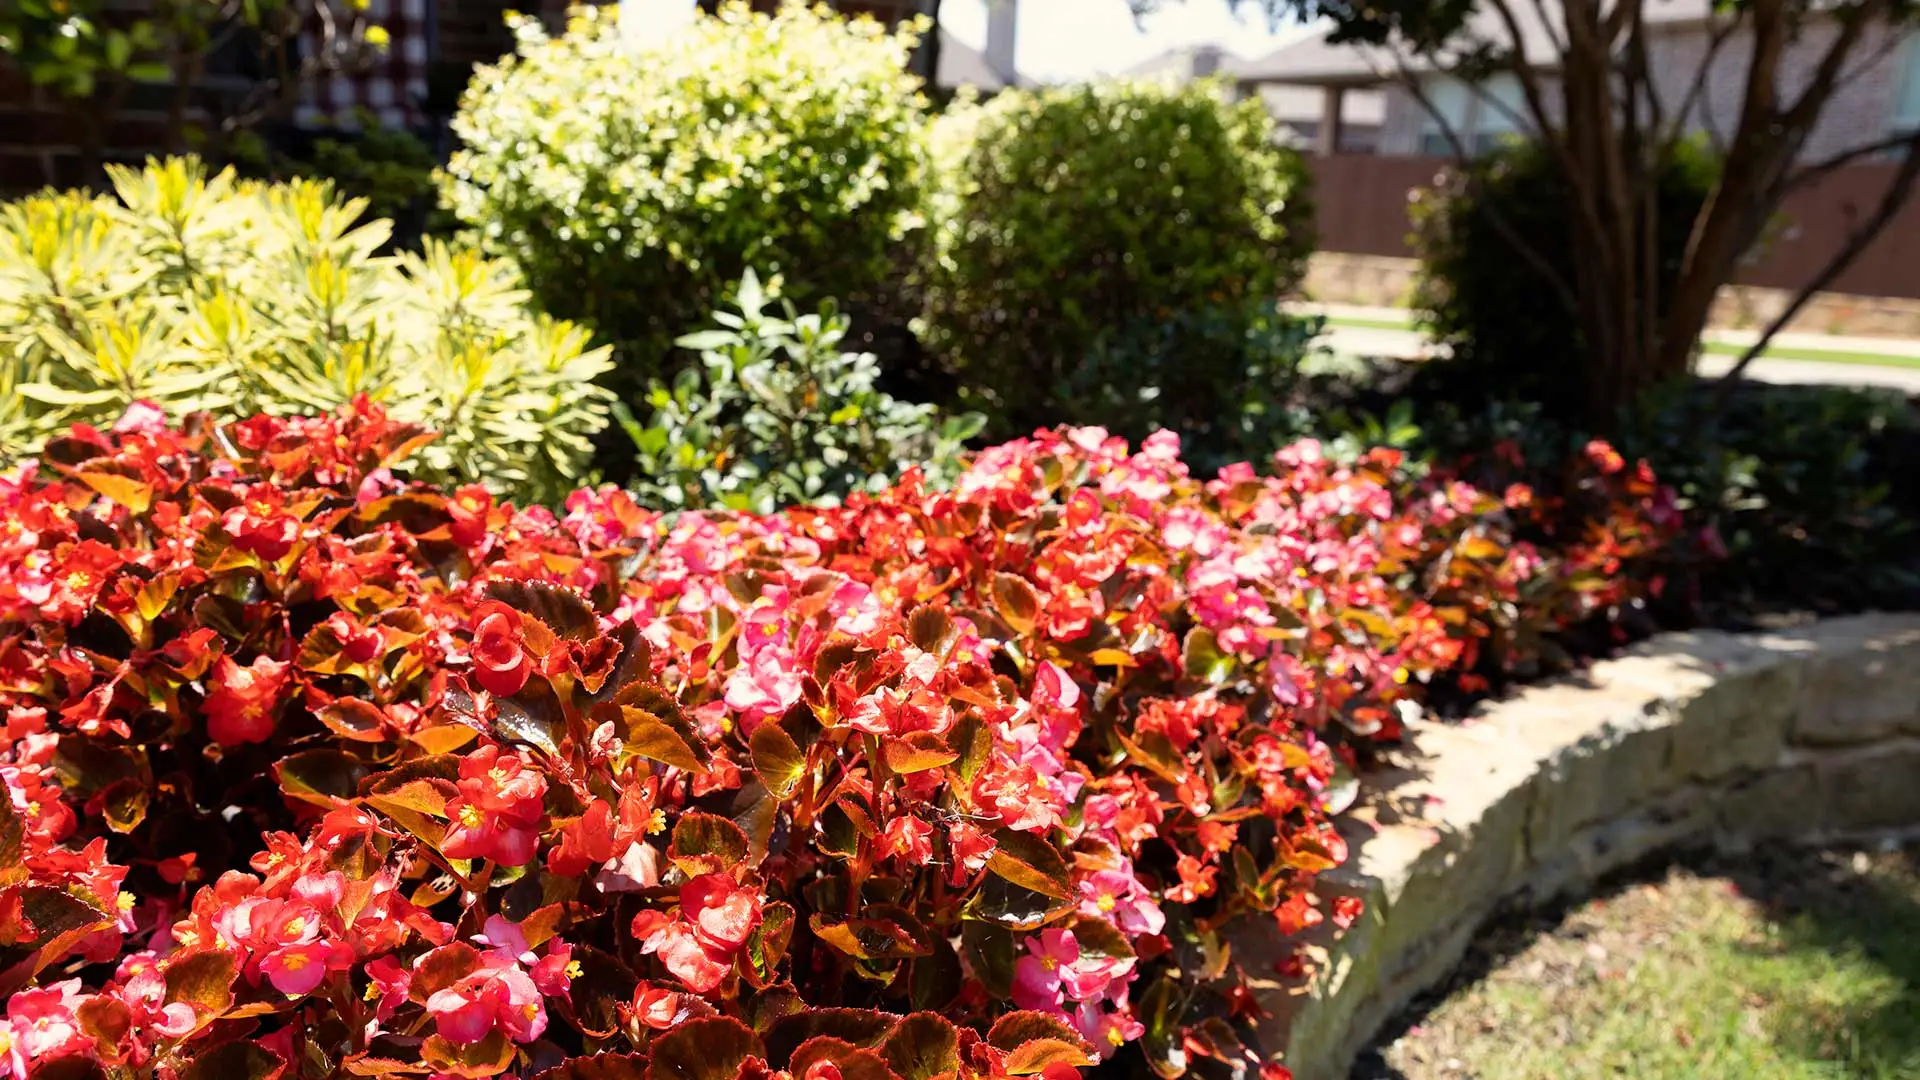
1463	159
1716	40
1807	174
1899	190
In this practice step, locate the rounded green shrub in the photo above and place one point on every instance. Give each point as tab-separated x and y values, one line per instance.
1509	335
635	187
1080	224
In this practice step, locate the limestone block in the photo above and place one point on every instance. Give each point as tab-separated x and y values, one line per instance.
1865	682
1873	789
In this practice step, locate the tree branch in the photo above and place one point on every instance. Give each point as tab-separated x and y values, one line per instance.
1464	161
1716	40
1899	190
1807	174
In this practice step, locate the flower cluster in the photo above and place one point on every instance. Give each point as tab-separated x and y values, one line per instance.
310	767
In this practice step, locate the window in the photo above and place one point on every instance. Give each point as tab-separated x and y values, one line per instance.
1501	112
1906	98
1451	99
1482	116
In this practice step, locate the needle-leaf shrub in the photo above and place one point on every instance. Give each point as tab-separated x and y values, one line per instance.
317	771
192	292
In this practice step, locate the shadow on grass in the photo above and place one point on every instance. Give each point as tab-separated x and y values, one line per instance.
1825	907
1831	977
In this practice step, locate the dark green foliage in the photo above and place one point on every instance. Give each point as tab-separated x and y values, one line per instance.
1510	335
1087	233
1224	378
1814	492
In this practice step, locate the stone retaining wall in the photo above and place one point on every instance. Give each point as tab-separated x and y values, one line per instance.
1811	734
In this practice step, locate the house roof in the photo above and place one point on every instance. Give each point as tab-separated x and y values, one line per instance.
963	65
1315	61
1183	63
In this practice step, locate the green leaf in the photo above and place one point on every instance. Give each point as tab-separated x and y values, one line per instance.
1201	658
924	1046
563	611
1031	863
777	759
665	737
853	1062
706	844
991	953
238	1060
709	1048
320	777
1016	602
880	933
203	979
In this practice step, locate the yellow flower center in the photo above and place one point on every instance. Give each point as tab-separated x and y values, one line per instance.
78	580
295	926
294	961
657	823
373	991
1049	963
470	817
1115	1037
124	901
574	970
497	774
1106	902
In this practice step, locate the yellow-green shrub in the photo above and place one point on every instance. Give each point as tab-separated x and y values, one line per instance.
635	188
207	293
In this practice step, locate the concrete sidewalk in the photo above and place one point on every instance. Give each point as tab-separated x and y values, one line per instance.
1410	344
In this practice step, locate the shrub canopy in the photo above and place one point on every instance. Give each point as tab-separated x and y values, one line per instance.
1075	215
194	292
636	188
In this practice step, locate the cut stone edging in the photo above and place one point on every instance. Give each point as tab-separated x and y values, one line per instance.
1807	734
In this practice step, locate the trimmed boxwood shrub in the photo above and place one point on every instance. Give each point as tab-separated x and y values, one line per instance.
636	188
1080	225
314	769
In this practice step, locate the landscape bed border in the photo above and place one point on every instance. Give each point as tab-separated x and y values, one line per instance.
1807	734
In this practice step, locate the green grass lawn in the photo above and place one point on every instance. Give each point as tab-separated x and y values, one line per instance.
1826	356
1716	348
1794	967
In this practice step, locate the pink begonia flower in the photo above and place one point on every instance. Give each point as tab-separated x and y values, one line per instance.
636	868
686	957
1107	1031
392	982
969	848
766	686
43	1025
297	970
1055	688
1037	976
498	995
553	973
909	838
503	935
142	417
1117	896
